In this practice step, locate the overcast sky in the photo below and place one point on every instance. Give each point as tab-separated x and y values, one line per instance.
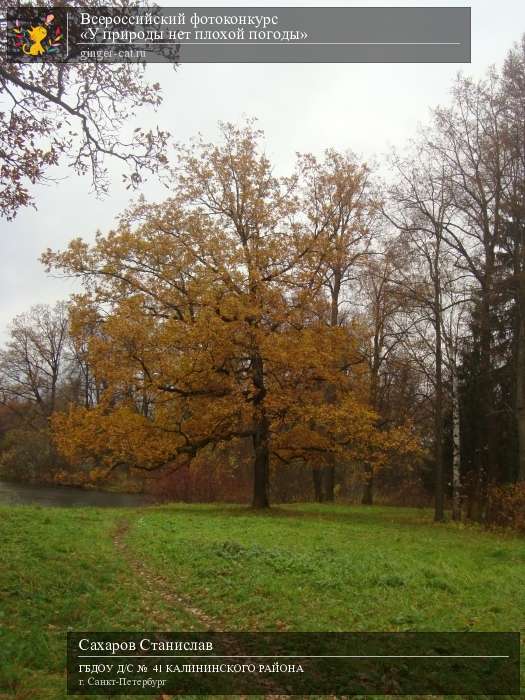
367	108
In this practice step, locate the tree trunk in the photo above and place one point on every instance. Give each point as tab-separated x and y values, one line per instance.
261	437
456	448
520	364
329	471
318	484
329	480
439	510
486	433
261	466
439	507
368	493
520	393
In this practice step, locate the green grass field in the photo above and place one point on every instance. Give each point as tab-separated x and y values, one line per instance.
192	567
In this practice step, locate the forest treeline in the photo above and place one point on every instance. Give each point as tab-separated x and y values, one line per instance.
331	332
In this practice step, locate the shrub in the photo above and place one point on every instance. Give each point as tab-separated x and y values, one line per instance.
506	506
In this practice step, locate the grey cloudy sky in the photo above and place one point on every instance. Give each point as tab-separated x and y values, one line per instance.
367	108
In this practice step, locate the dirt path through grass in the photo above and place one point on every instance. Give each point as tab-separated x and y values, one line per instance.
151	580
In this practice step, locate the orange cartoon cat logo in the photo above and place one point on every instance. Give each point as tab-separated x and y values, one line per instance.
36	36
40	39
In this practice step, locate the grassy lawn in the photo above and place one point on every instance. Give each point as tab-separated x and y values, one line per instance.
301	568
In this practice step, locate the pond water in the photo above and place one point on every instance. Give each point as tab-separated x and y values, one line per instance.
25	494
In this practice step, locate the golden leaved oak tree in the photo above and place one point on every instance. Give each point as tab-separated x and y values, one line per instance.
211	326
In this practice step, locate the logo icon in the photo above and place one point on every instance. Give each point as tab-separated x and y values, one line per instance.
40	37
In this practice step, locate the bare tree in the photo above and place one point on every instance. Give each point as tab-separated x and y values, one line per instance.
467	142
514	134
59	113
421	209
33	360
382	301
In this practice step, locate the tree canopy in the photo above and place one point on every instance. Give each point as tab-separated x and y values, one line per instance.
212	325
